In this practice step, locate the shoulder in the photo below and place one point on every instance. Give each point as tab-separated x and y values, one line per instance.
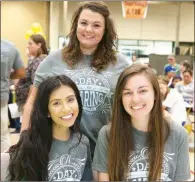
6	42
7	46
120	56
174	93
166	65
40	58
55	55
179	83
105	129
104	132
177	131
83	140
122	59
52	59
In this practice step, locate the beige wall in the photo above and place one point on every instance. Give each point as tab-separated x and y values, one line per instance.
18	16
160	22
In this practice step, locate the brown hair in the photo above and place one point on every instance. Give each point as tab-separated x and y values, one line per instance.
188	71
37	38
105	52
186	64
120	137
163	79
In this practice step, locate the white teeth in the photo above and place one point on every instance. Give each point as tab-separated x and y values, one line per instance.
137	107
89	37
67	117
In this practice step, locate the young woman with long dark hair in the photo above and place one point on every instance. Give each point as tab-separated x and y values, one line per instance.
53	148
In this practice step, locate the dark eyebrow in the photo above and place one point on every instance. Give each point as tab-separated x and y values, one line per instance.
60	99
138	87
93	22
142	86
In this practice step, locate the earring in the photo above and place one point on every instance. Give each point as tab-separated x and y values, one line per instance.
49	116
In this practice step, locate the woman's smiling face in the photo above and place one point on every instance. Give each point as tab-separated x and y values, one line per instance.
138	97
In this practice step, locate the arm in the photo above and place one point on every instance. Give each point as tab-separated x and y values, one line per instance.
28	109
41	74
18	73
100	159
183	164
103	176
18	67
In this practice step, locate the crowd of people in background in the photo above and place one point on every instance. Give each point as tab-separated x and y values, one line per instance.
90	114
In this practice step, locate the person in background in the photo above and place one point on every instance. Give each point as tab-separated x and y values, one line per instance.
134	59
139	144
37	51
172	62
53	149
175	80
186	87
172	101
91	61
170	73
11	68
14	122
184	65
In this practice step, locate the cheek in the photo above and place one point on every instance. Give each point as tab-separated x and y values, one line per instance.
53	111
126	104
100	34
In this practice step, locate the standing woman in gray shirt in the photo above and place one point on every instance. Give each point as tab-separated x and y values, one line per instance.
138	144
91	61
53	148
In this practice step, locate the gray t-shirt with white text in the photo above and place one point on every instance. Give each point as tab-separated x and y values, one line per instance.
66	163
96	89
175	165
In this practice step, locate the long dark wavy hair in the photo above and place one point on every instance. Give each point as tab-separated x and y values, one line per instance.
37	38
29	157
121	141
105	52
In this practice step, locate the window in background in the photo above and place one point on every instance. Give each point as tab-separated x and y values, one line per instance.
143	48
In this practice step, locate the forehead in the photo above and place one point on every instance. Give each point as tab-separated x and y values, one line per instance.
31	40
136	81
91	16
62	92
186	74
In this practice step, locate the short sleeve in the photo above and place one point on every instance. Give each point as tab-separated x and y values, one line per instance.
100	159
183	164
43	71
18	63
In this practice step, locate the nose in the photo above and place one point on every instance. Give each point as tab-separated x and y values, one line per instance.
89	28
66	108
135	98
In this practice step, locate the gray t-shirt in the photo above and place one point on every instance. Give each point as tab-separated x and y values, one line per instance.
175	167
65	164
10	59
96	89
